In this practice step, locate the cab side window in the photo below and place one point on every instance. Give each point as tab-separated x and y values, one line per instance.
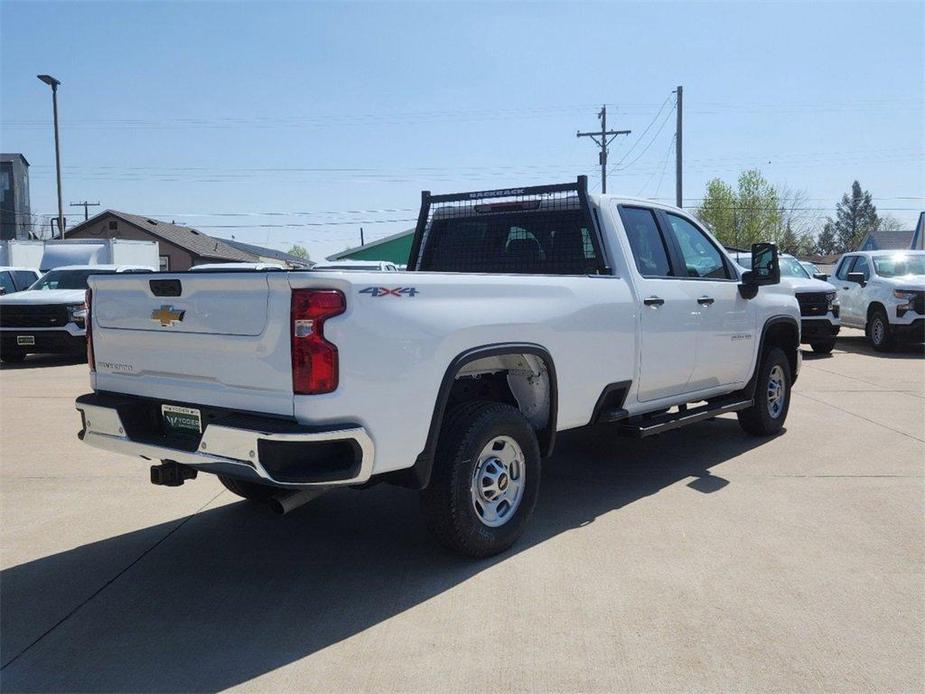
862	266
701	257
646	242
845	267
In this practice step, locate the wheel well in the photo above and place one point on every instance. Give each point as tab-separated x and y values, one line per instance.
522	375
874	305
785	335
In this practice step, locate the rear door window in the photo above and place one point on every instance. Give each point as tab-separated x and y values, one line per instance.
24	279
646	241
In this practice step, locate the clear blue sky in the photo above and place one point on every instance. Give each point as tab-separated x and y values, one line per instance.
346	111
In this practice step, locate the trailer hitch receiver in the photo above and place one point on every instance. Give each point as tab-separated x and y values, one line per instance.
171	474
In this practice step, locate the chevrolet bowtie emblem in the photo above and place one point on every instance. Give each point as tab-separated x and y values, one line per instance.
167	316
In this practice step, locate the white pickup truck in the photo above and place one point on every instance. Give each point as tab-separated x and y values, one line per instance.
524	312
883	293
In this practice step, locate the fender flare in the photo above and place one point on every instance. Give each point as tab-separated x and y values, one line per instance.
423	465
768	324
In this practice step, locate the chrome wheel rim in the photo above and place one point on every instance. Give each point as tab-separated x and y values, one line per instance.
877	331
777	394
498	481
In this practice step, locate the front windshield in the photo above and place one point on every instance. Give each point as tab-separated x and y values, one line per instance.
67	279
899	265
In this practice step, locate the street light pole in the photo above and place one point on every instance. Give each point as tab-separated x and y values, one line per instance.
53	83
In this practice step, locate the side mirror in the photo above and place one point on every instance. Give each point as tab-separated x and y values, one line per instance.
857	277
2	291
821	276
765	270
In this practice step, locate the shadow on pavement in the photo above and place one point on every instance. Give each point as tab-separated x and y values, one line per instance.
237	592
858	344
41	361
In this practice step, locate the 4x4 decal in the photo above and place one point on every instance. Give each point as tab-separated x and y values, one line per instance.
387	291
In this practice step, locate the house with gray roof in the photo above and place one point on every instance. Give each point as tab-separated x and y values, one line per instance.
180	247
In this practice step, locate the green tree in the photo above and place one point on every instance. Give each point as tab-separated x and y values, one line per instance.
299	252
789	242
718	211
827	243
855	217
744	216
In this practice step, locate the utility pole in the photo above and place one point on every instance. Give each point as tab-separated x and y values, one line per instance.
606	137
677	152
85	205
362	242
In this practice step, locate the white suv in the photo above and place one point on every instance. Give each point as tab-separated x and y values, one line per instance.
883	292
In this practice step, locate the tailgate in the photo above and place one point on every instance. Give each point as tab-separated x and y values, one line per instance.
200	338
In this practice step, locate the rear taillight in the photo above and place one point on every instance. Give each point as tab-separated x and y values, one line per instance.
314	359
89	323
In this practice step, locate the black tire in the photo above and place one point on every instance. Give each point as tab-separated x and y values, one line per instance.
823	347
247	490
448	503
758	419
879	331
12	357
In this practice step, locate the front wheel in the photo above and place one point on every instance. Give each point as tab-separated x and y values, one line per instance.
768	413
879	332
485	480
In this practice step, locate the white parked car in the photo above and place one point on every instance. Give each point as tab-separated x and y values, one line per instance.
17	279
525	312
883	292
49	317
819	309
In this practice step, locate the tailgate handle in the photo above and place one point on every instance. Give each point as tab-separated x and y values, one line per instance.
166	287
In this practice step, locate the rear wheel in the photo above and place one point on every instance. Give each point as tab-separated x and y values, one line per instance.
768	413
823	347
879	332
485	481
247	490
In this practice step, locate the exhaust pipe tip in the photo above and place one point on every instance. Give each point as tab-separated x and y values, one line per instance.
286	502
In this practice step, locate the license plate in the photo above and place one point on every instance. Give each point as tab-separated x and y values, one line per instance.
181	420
25	340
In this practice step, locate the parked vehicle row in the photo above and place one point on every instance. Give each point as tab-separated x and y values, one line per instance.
525	312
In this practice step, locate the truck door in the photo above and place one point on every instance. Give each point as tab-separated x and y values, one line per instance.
726	336
851	294
668	321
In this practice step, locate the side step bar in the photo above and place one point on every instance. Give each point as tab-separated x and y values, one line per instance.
658	424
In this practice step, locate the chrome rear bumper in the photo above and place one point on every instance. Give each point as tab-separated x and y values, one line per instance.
231	450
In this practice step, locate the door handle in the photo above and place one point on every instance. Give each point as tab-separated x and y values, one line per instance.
705	300
653	301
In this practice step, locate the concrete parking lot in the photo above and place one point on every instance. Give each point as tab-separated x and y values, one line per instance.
700	560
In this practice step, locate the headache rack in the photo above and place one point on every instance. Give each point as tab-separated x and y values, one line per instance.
548	229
